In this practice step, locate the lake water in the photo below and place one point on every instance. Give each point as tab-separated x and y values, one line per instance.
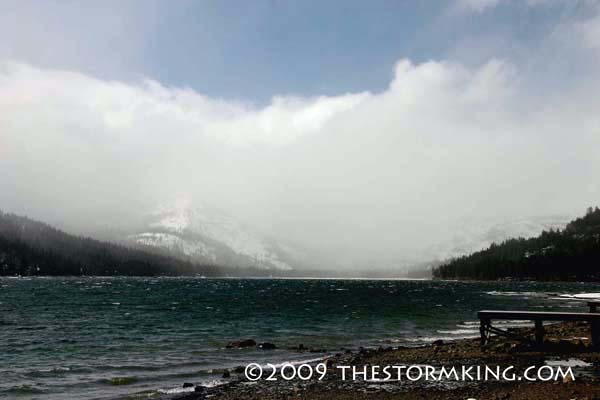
89	338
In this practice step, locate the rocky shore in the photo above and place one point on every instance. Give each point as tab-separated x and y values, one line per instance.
566	345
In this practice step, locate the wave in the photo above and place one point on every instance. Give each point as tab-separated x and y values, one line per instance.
582	296
205	383
517	294
458	332
177	390
429	339
23	390
121	380
470	329
47	371
298	362
31	328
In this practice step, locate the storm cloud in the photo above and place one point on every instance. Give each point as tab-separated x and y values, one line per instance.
370	175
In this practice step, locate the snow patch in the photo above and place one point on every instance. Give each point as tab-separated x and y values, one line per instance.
180	226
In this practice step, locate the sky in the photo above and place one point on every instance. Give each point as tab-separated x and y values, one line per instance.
368	129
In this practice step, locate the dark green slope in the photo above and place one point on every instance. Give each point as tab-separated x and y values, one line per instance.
569	254
29	247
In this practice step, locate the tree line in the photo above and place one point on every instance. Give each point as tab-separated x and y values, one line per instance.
29	247
569	254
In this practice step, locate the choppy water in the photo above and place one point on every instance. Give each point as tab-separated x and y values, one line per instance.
84	338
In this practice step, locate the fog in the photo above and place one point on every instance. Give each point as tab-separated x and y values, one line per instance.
359	177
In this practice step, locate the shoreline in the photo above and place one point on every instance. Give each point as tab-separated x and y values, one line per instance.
566	343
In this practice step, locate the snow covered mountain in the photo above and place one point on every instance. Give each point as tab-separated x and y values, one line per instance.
211	236
468	236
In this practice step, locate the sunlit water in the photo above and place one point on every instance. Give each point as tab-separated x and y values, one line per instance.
83	338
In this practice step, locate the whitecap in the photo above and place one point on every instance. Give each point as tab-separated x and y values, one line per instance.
517	294
428	339
571	362
583	296
177	390
458	332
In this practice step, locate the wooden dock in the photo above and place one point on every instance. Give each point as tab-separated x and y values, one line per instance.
538	317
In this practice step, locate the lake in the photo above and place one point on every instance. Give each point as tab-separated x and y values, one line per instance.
107	337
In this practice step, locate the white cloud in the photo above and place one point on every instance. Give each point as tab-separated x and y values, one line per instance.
371	176
589	31
480	6
477	5
442	140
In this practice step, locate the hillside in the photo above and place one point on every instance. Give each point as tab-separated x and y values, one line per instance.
569	254
29	247
208	235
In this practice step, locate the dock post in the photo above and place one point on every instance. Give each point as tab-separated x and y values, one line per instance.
595	333
483	330
539	332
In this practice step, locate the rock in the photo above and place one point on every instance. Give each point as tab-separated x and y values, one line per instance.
238	344
317	350
564	346
513	348
226	374
500	347
267	346
187	385
438	342
239	369
199	389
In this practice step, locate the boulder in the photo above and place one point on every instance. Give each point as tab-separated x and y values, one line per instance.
187	385
317	350
238	344
267	346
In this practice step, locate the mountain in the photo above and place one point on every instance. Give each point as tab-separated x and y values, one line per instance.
29	247
572	253
470	235
209	235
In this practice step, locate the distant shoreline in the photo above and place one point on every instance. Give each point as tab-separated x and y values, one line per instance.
462	280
